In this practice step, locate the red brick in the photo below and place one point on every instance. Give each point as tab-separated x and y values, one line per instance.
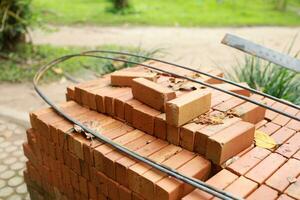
248	160
204	133
113	190
270	115
285	197
182	109
290	147
143	118
293	124
241	187
297	155
280	179
152	94
171	188
187	135
124	78
74	180
128	108
250	112
173	134
229	104
294	189
218	98
220	181
83	186
124	193
263	192
269	128
233	88
160	126
70	95
92	191
119	105
100	97
261	172
282	135
260	124
229	142
283	120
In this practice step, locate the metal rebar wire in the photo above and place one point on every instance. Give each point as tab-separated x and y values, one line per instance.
192	181
193	80
200	72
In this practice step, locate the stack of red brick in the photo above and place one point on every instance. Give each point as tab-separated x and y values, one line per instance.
138	109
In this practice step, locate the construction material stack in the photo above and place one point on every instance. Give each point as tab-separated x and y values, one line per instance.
200	132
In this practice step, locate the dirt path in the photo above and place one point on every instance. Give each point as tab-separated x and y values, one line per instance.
190	46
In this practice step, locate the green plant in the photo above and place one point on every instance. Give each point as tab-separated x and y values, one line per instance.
15	18
268	78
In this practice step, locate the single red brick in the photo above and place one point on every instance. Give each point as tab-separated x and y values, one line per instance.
233	88
263	192
92	191
124	193
269	128
113	190
187	135
290	147
248	160
270	115
202	135
285	197
128	108
241	187
297	155
250	112
282	135
220	181
160	126
83	186
283	120
100	97
74	180
294	189
280	179
229	104
230	142
293	124
124	78
260	124
151	93
143	118
261	172
173	134
171	188
70	93
218	98
119	105
182	109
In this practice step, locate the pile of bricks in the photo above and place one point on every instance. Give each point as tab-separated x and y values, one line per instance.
200	132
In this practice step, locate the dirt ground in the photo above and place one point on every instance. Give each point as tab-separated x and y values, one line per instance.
190	46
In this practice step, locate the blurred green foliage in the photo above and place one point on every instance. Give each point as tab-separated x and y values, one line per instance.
170	12
15	17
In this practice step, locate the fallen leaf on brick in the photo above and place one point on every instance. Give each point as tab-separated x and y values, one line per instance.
292	179
264	140
230	161
207	119
231	114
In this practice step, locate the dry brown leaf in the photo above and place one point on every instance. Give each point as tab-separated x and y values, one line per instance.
264	140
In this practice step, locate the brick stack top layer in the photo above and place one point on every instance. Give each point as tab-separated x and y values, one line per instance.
152	106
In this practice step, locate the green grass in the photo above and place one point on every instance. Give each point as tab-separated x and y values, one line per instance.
169	12
21	65
268	78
